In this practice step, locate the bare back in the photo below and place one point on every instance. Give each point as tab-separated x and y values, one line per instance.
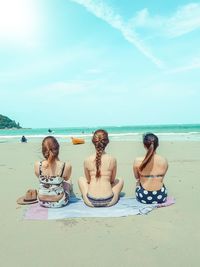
101	186
151	177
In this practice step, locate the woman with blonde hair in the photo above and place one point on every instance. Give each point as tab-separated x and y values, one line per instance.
149	172
54	176
99	187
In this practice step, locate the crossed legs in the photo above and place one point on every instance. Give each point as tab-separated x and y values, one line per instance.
116	188
83	186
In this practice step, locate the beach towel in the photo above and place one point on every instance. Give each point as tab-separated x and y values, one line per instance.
77	209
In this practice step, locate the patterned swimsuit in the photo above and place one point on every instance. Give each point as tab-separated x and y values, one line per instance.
52	186
151	197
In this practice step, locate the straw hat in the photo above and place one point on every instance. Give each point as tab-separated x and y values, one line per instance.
29	198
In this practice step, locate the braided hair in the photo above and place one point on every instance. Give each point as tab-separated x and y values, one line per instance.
50	149
100	141
151	142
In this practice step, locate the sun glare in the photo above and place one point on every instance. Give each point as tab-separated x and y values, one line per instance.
18	20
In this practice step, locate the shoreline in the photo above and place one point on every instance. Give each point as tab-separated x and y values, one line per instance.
172	136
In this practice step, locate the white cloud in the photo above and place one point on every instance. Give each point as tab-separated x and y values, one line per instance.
143	19
61	89
185	20
194	64
107	14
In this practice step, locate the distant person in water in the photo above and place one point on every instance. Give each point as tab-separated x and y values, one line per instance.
99	188
50	131
23	139
54	176
149	172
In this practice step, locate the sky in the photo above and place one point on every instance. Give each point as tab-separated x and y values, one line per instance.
99	62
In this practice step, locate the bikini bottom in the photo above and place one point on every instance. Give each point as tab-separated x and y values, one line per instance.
151	197
55	204
100	202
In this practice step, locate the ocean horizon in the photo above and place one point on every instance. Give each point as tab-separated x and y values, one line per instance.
117	133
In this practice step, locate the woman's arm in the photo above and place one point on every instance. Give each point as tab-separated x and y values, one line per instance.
67	171
166	166
136	171
36	168
114	171
87	173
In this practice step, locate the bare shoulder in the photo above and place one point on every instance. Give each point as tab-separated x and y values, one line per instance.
36	164
68	165
110	159
89	159
162	161
138	161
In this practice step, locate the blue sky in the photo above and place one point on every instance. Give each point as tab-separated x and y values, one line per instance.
99	62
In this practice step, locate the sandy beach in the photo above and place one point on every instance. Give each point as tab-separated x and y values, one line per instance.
165	237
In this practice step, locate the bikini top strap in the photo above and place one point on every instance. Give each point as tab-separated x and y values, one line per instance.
62	171
40	168
152	176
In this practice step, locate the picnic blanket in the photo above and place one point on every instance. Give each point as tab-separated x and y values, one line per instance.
77	209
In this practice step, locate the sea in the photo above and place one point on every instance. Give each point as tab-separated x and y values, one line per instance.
178	132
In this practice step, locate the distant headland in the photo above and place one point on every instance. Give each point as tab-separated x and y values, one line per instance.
7	123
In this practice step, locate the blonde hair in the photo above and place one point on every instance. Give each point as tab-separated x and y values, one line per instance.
50	149
100	141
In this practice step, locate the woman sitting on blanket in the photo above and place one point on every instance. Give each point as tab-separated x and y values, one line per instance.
54	176
149	172
99	187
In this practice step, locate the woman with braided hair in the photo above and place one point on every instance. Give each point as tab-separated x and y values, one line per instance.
54	176
99	187
149	172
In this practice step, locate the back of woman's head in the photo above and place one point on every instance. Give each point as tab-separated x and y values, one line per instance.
50	148
100	141
150	142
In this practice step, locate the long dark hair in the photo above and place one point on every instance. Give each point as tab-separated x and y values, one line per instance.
50	149
100	141
151	142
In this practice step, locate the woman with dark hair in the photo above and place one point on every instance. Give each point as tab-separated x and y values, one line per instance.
54	176
149	172
99	187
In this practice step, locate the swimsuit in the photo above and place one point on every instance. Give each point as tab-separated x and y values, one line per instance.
55	204
52	186
151	197
100	202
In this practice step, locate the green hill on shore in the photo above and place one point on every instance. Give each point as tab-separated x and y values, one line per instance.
6	123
